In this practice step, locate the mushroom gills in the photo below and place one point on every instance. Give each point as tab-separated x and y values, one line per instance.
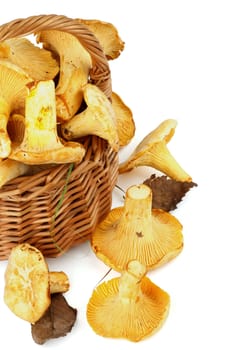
136	231
13	91
130	306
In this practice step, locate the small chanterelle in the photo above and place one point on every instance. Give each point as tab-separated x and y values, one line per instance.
29	284
35	294
130	306
153	152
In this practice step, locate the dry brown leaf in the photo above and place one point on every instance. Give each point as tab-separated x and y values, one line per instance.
56	322
167	193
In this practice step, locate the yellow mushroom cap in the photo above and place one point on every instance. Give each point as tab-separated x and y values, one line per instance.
107	35
75	65
97	119
137	232
130	306
152	151
13	81
37	62
13	92
26	291
124	120
10	169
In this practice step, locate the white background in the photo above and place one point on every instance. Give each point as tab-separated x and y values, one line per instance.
182	60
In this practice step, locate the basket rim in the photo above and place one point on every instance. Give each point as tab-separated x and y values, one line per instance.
42	179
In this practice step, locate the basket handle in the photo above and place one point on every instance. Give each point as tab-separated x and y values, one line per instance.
100	73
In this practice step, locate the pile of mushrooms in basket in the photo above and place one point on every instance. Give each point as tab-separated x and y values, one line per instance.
47	104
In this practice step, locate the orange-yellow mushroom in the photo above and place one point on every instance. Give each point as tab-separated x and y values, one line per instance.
137	232
130	307
124	120
75	65
107	35
152	151
13	92
28	283
97	119
37	62
41	144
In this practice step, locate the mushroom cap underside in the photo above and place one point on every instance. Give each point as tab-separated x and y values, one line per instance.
110	316
162	243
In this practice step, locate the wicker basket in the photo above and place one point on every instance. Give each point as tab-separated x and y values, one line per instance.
58	208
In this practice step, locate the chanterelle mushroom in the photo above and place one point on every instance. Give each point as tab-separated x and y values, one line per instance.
38	63
10	169
13	92
28	283
41	144
152	151
97	119
124	120
130	306
137	232
75	64
107	35
26	290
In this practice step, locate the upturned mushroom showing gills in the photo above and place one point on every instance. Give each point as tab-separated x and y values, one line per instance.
28	283
37	62
97	119
75	64
137	232
130	307
41	144
13	92
152	151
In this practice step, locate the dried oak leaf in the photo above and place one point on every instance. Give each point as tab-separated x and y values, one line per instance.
57	321
167	192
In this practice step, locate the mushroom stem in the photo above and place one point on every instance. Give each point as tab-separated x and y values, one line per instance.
135	231
59	282
129	284
137	214
40	130
41	143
